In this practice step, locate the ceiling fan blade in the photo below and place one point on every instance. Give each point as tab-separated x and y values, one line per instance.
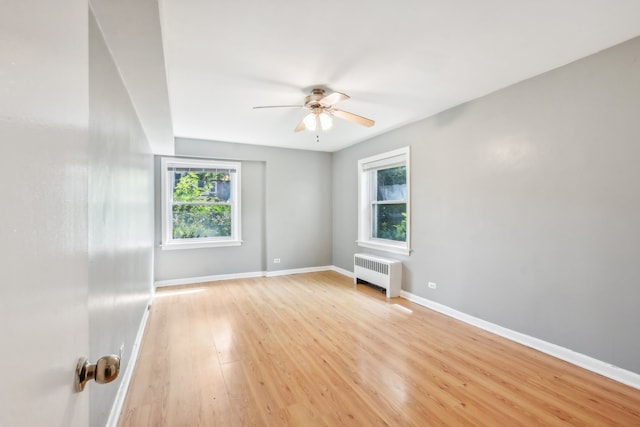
300	127
353	118
334	98
279	106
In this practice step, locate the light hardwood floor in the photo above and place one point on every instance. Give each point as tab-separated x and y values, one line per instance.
313	350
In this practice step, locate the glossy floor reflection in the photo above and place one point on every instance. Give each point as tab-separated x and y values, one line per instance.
313	350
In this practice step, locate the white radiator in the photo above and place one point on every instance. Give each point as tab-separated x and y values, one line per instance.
383	272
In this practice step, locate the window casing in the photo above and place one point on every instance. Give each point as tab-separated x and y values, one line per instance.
384	220
200	203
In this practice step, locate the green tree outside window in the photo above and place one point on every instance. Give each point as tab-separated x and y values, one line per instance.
196	211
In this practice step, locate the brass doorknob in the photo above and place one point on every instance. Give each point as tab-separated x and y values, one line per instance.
104	371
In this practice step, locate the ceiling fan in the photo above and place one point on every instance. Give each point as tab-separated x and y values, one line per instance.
321	111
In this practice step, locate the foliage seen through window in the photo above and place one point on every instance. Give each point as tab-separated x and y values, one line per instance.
201	205
389	208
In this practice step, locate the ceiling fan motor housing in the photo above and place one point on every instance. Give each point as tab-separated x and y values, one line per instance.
313	101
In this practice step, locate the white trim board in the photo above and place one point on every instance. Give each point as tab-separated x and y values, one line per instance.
116	408
594	365
215	278
342	271
297	271
203	279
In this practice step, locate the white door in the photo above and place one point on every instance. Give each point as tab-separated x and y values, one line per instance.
43	211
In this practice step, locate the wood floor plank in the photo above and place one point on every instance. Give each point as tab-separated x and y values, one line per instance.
315	350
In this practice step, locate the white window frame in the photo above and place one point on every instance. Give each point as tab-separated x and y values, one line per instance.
366	168
168	242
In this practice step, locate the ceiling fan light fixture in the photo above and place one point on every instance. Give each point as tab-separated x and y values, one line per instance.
310	122
318	121
325	121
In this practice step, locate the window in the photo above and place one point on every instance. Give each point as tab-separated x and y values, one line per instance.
201	203
384	208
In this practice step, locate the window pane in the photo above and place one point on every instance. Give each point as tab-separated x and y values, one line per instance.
196	221
390	222
206	186
391	184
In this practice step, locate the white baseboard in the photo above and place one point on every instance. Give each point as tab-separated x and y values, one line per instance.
190	280
606	369
297	271
342	271
116	408
215	278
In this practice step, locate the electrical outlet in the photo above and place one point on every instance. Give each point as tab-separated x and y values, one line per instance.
276	260
432	285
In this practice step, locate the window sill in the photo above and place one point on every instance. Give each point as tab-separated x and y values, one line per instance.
195	245
384	247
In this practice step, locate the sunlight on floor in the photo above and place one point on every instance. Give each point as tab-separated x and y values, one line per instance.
403	308
163	294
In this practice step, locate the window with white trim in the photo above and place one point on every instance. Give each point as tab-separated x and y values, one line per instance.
384	205
200	203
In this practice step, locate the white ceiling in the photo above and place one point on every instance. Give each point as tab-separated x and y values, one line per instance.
399	61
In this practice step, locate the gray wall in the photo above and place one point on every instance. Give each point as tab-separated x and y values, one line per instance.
201	262
286	213
525	206
120	218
